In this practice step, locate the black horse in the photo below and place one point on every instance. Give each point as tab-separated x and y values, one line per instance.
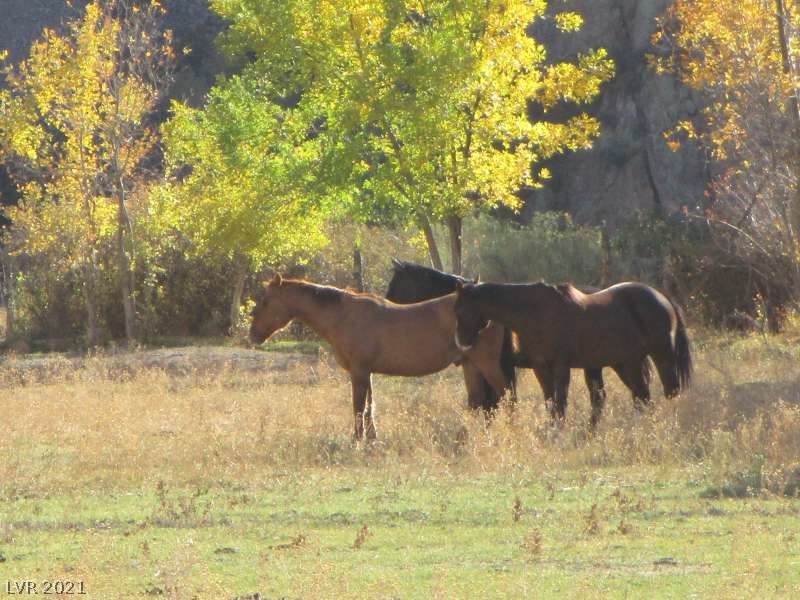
414	283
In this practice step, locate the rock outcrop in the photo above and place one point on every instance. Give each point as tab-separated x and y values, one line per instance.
630	166
193	23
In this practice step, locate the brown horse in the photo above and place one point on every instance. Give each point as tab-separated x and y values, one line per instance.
372	335
560	327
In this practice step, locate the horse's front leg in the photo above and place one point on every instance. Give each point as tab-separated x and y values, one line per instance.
477	396
361	385
597	393
369	412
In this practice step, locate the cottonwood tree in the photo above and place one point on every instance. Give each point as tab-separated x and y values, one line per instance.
76	129
418	106
241	199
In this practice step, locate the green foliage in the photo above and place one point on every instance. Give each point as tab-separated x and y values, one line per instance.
242	197
378	246
645	241
692	260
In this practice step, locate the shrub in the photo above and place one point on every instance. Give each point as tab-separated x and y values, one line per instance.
550	247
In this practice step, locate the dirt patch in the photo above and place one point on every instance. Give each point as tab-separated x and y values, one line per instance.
177	362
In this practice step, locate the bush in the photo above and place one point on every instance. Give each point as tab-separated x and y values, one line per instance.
691	260
551	247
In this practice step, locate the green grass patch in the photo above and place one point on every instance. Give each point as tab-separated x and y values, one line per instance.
352	534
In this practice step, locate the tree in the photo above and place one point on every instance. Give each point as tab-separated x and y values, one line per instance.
419	105
740	56
77	132
242	199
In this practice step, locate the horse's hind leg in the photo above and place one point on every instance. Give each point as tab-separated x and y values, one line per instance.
561	381
555	385
667	368
597	393
633	374
545	378
361	389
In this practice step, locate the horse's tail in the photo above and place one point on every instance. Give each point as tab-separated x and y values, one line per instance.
678	347
683	355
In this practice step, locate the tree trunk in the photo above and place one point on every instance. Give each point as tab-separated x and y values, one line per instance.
237	291
8	292
358	268
454	227
794	101
433	248
89	291
126	277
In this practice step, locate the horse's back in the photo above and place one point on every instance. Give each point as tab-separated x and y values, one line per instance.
631	292
652	311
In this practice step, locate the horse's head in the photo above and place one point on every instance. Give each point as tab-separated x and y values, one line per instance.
415	283
403	285
469	321
271	312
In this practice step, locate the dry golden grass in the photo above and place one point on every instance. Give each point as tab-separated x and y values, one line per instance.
124	422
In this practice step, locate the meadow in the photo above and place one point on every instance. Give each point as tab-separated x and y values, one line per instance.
226	473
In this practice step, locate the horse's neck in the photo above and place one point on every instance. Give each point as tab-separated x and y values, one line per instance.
307	307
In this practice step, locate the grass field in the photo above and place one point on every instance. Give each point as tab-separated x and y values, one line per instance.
225	473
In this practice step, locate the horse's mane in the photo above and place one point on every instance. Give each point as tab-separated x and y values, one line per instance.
329	294
401	266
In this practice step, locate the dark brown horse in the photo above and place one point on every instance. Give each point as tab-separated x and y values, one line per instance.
560	327
372	335
412	283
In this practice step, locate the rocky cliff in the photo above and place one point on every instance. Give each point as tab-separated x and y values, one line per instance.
193	23
630	166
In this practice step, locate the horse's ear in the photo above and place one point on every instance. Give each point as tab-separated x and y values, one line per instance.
276	280
459	286
477	278
396	263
